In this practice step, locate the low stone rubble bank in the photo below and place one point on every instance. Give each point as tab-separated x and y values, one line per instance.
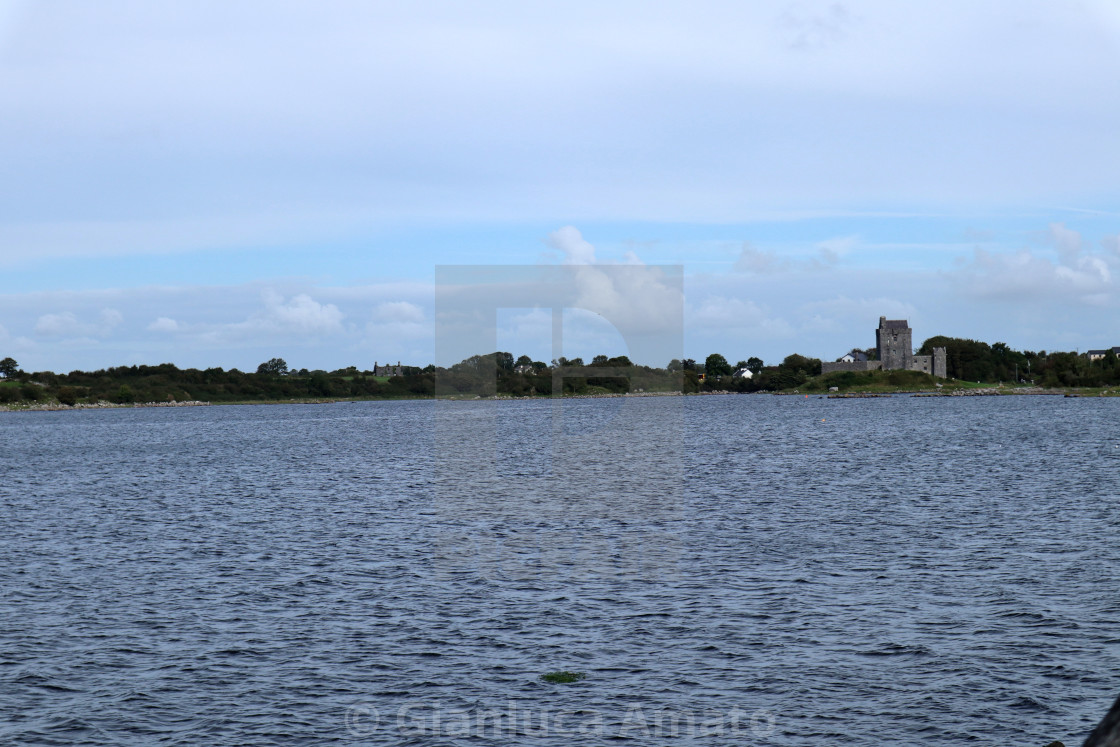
991	391
102	405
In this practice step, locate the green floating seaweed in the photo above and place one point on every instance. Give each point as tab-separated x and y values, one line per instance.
563	678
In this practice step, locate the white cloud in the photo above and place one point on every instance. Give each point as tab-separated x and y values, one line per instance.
164	324
577	250
636	299
56	325
1078	275
299	318
619	111
67	325
1024	276
398	311
735	314
302	315
1067	241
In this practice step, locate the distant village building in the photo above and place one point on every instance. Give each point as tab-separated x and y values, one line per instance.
895	345
1096	355
743	373
397	370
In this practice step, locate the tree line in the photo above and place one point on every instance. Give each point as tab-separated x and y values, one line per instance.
972	360
166	382
499	373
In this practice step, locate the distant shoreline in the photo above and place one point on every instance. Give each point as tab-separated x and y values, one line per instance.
982	392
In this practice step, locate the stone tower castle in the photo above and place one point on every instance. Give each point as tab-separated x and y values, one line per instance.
895	343
894	340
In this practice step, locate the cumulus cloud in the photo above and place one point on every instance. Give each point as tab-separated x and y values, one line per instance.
302	315
164	324
67	325
1023	275
56	325
1079	274
637	299
298	317
577	250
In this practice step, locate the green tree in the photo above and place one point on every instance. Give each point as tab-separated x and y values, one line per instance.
273	367
9	368
754	364
716	365
807	366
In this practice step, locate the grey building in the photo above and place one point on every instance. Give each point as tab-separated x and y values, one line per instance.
894	341
396	370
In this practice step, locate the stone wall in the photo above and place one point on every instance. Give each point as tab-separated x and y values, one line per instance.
940	369
853	366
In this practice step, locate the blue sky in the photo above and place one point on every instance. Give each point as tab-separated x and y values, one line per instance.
214	184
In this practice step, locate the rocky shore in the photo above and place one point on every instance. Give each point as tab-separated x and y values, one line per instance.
102	405
991	391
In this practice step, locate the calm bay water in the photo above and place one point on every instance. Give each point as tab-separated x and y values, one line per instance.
731	570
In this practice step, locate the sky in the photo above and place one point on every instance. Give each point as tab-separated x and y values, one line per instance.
217	184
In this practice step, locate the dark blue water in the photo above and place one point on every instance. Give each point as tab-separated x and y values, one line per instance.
725	570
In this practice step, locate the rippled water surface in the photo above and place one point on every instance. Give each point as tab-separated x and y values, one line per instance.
728	570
